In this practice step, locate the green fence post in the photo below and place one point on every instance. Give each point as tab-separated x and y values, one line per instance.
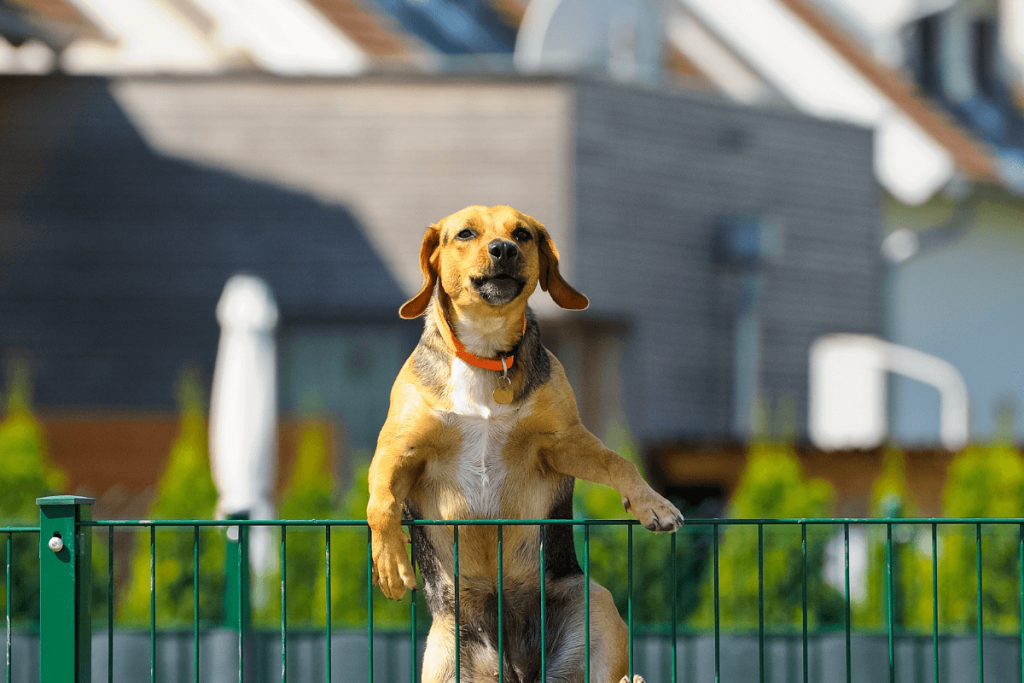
236	576
65	561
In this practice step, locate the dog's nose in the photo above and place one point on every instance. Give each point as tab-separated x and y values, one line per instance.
505	253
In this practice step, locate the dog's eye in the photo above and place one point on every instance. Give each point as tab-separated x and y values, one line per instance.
465	234
522	235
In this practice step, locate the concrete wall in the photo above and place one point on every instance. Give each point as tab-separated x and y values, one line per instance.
961	300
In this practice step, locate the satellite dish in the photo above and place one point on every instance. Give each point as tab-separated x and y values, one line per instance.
618	37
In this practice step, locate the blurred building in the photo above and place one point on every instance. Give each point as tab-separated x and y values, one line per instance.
703	231
956	276
719	178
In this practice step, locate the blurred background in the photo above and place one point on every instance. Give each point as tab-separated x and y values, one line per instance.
799	223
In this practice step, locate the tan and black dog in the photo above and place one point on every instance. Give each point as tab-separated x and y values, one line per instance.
467	439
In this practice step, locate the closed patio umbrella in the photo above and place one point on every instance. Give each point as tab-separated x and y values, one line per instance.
243	407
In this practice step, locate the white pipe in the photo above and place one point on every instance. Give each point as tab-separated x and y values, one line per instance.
848	397
953	403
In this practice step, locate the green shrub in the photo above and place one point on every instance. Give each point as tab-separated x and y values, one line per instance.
652	560
983	481
652	552
911	571
312	493
185	491
773	486
348	569
26	474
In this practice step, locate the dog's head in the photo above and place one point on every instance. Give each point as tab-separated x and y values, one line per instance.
493	256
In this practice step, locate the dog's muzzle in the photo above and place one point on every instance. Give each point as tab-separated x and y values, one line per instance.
503	284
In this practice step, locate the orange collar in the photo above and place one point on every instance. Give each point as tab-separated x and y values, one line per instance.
485	363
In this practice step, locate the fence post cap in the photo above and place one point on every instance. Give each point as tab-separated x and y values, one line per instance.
65	500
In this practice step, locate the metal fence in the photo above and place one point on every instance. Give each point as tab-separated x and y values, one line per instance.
66	641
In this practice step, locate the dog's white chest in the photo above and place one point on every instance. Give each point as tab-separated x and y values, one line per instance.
480	470
485	427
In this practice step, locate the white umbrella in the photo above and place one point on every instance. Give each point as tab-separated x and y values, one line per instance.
243	407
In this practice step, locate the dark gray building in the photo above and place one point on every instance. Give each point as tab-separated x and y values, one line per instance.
714	241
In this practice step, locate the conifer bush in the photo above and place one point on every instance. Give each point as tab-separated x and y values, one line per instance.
25	474
773	486
983	481
185	491
911	569
313	493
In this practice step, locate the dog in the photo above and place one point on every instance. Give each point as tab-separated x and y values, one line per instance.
483	425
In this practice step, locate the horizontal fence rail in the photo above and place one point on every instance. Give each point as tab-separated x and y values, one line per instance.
704	648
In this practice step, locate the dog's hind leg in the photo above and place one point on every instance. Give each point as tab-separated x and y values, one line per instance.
478	662
439	656
609	639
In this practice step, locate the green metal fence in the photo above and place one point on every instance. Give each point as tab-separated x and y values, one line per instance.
65	630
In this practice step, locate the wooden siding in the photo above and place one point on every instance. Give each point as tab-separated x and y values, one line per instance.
655	173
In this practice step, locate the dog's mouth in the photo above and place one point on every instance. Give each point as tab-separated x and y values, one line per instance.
498	289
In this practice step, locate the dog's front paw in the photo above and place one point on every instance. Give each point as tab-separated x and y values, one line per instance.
636	679
392	570
654	511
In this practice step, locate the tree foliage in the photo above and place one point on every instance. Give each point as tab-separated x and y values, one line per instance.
652	559
312	493
773	486
911	571
26	474
983	481
185	491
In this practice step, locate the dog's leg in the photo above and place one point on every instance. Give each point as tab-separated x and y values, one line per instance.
609	639
439	656
392	474
578	453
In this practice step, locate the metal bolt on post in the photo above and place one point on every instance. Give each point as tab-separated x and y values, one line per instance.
65	561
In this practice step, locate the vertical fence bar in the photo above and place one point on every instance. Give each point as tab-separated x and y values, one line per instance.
152	603
327	580
803	564
760	597
7	599
195	601
110	604
1020	564
935	603
889	605
586	599
412	603
629	594
284	604
675	581
501	597
718	643
981	619
369	602
458	627
241	605
846	556
543	612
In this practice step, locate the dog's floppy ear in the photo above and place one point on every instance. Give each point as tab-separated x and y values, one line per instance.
551	281
429	256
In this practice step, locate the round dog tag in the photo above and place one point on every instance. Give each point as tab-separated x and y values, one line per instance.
503	394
